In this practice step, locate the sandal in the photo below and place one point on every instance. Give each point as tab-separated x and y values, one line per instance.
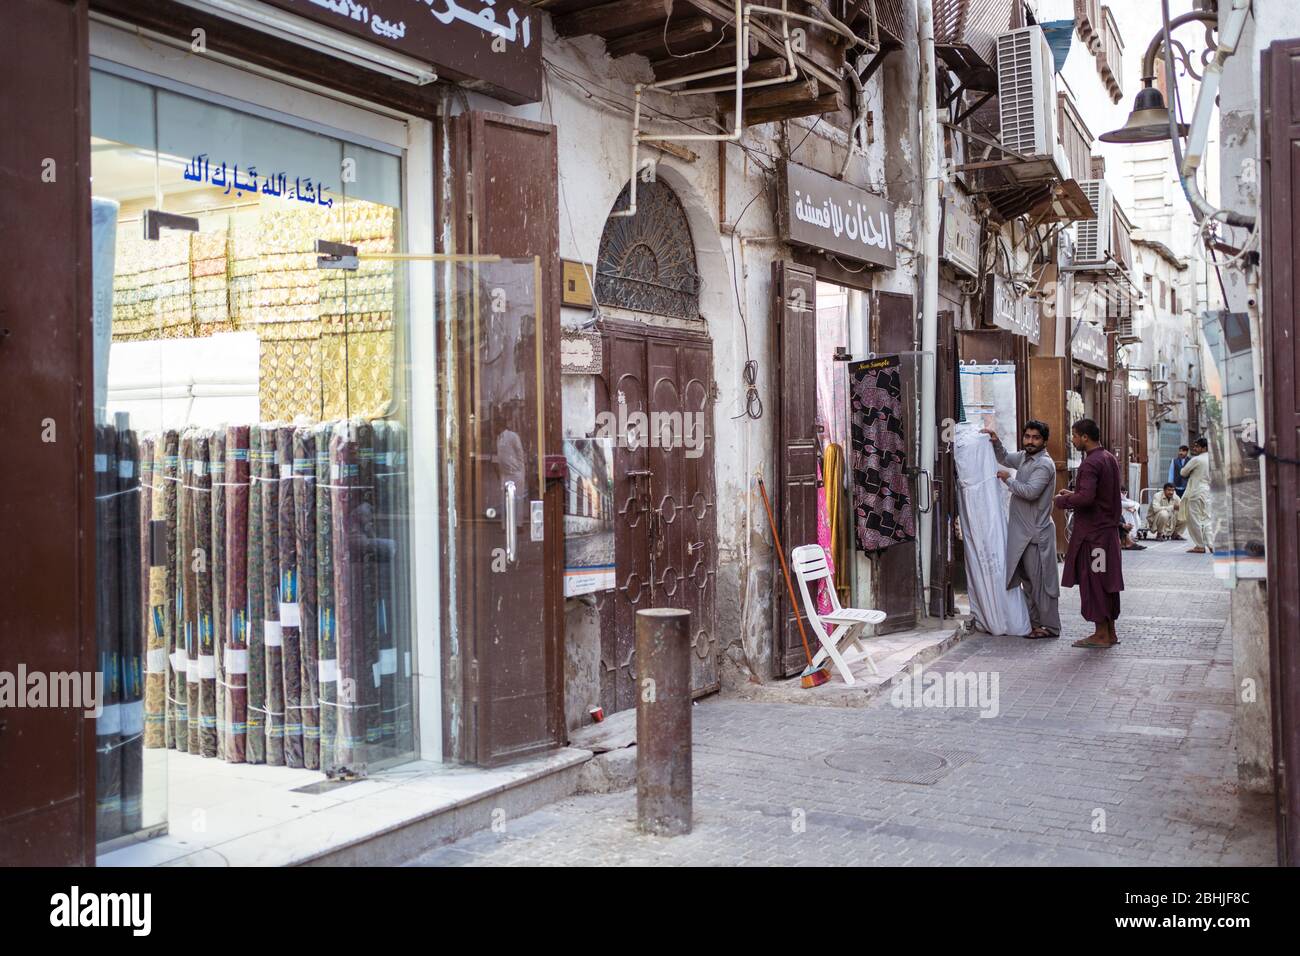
1040	634
1089	642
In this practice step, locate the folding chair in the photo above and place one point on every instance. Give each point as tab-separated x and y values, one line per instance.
809	562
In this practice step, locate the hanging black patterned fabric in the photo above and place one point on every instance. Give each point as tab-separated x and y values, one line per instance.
882	499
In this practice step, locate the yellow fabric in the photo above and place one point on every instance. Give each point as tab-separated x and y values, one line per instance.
833	483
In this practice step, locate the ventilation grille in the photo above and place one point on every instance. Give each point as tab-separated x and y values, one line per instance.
1017	67
1094	234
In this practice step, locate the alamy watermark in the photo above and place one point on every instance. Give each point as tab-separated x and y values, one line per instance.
977	689
633	430
83	690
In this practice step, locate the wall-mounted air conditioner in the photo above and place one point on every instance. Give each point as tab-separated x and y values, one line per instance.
1093	246
1160	373
1027	105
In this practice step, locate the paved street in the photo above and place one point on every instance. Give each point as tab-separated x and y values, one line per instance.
1115	757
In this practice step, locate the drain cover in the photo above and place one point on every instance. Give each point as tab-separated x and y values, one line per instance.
899	764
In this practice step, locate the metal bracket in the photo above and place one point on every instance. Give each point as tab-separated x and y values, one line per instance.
336	255
155	221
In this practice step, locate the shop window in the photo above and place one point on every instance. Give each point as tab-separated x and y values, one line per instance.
646	262
251	447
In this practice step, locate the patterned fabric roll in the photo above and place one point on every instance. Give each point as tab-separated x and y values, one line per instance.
354	691
289	610
399	607
234	662
201	556
131	632
273	639
158	724
304	502
186	701
326	618
217	468
256	739
384	548
363	538
108	762
153	724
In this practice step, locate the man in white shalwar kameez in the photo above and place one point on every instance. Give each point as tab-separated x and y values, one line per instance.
1031	533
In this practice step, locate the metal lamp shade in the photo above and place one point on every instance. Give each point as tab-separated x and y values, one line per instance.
1149	121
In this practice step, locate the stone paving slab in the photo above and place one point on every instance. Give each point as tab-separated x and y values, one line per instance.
1121	757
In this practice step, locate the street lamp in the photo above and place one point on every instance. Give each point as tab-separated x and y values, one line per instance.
1149	121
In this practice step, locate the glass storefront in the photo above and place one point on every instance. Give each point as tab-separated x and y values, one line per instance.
251	453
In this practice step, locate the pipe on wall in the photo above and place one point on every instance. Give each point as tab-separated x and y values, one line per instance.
927	242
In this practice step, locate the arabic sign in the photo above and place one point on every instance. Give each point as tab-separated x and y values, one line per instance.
824	213
497	43
1007	309
1088	346
959	240
303	188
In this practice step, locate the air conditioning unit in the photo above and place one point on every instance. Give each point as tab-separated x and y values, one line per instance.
1160	373
1093	246
1027	105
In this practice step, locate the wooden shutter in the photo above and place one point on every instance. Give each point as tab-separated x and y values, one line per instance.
794	308
47	520
506	203
893	330
1280	220
1049	378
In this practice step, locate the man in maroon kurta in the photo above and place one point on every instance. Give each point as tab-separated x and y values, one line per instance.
1093	558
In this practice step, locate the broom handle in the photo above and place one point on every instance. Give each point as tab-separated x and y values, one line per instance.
780	553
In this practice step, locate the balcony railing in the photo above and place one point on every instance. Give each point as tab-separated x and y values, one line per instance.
1110	57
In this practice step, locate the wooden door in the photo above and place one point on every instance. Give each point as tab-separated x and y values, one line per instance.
665	539
47	514
509	526
894	570
794	488
1280	220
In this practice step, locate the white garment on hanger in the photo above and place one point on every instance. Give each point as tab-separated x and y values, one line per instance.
984	501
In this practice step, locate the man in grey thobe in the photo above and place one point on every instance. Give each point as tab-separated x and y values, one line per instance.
1031	533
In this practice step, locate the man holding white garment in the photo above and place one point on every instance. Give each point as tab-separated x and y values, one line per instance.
1031	533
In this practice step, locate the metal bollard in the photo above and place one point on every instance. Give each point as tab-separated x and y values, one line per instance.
663	721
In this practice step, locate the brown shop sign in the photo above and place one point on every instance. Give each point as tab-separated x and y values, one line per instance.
496	44
824	213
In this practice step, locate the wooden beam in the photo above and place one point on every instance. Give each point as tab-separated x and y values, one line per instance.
612	19
760	70
770	114
682	35
724	55
786	93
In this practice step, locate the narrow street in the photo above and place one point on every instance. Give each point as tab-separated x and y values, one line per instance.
1119	757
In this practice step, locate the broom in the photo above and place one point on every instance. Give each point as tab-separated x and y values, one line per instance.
811	676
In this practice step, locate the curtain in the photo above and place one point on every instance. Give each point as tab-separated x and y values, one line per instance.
882	500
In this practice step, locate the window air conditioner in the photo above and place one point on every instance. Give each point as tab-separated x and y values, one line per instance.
1093	245
1027	105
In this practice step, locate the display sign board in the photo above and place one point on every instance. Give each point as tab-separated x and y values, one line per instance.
826	214
1088	346
589	516
581	353
1007	309
959	239
493	43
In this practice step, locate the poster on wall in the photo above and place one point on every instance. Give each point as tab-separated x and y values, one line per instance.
988	397
589	516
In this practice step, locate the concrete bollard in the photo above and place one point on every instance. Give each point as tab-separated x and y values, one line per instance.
663	721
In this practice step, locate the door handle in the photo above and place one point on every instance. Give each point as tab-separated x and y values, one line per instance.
512	531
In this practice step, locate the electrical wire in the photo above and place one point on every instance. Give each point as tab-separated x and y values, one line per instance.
749	374
722	35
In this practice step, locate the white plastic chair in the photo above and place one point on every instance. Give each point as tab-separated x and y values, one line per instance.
809	562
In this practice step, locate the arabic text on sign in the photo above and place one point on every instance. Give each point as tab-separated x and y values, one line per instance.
303	188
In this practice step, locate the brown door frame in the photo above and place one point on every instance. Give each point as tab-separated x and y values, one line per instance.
1281	262
47	598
